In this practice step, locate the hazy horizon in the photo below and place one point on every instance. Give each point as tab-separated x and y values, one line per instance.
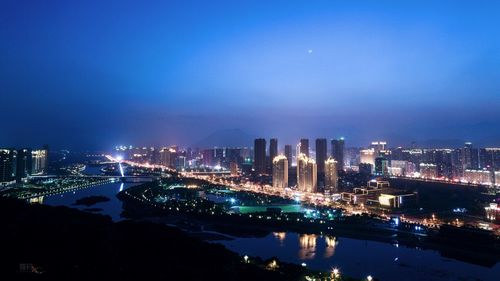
92	75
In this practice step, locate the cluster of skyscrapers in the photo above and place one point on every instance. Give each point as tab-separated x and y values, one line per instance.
177	158
466	164
307	173
18	164
316	169
312	174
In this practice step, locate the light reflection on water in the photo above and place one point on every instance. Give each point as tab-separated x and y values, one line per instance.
331	243
359	258
112	208
307	246
280	236
308	242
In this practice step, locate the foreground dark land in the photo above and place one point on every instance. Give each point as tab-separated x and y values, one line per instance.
60	243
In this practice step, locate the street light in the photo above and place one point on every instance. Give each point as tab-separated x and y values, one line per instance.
335	273
369	278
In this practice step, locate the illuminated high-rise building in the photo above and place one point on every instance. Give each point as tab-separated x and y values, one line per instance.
23	165
39	162
180	162
331	176
207	157
167	156
7	165
234	168
428	170
486	177
280	171
338	147
367	156
273	151
381	166
489	158
470	157
398	168
303	147
378	146
259	163
288	154
321	154
457	168
306	174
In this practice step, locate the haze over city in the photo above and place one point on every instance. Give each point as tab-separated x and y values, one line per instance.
268	140
94	74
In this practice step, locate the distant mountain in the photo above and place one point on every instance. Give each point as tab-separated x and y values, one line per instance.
227	138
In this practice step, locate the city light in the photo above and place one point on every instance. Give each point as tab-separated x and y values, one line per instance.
226	140
121	169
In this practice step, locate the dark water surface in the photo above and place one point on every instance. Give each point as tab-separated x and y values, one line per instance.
360	258
112	208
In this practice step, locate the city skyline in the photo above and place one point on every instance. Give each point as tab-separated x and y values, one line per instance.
250	140
177	72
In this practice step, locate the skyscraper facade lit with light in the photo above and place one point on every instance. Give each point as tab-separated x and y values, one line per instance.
259	163
470	157
367	156
331	176
280	171
479	176
7	165
39	162
378	146
338	147
167	156
490	157
381	166
303	147
24	164
306	174
428	170
456	163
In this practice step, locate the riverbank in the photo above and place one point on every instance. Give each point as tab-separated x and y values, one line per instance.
196	216
59	243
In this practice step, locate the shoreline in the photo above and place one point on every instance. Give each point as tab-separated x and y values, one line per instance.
244	228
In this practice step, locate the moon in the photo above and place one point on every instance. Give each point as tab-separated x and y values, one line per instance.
310	51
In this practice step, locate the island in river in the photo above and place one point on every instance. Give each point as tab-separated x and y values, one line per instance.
91	200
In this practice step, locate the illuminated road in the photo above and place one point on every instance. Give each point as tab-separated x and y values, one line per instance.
317	199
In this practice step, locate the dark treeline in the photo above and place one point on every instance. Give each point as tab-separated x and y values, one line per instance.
67	244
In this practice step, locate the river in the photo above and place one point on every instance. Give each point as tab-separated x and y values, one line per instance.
360	258
112	208
356	258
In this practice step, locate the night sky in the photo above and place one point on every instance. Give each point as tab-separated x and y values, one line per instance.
93	75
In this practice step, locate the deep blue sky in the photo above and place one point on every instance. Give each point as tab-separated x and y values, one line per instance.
91	74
